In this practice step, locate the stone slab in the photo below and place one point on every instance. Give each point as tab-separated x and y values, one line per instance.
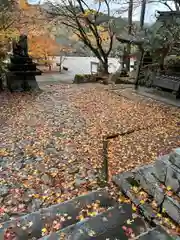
39	218
150	184
172	208
168	173
175	157
153	94
160	168
156	234
121	180
147	211
173	179
107	225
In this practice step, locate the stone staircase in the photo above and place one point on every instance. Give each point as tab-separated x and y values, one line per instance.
98	216
155	190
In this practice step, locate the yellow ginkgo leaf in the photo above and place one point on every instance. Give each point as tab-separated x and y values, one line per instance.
81	217
130	221
93	214
91	233
43	230
134	208
163	210
142	201
169	188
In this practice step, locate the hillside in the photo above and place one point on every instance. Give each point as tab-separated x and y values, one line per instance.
63	35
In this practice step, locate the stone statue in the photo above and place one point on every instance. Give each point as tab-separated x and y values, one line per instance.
23	43
20	48
21	69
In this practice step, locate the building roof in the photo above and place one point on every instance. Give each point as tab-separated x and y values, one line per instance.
163	15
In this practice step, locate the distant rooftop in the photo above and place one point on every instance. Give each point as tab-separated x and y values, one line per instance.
163	15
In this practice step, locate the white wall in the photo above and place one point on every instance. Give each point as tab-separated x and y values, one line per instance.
81	65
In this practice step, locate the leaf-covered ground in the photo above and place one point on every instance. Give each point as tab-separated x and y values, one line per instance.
51	143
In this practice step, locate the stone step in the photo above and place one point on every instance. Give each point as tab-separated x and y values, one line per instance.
144	178
150	184
155	234
175	157
125	182
167	171
157	183
31	225
112	224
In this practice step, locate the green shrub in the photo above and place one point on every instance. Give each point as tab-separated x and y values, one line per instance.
84	78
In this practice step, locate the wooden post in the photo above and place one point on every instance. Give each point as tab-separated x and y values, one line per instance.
142	16
105	160
105	167
130	24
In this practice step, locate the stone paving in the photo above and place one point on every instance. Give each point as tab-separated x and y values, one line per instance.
149	210
51	151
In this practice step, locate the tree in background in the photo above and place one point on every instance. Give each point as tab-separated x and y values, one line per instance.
8	19
165	38
170	4
43	48
91	26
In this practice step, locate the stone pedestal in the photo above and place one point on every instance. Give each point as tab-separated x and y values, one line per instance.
18	83
21	74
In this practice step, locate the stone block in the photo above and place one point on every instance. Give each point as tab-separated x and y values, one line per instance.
156	234
21	83
41	217
122	181
167	173
150	184
172	208
175	157
173	178
119	178
108	225
147	211
160	168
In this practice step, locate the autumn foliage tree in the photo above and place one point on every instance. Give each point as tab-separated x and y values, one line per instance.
7	25
92	26
43	48
8	18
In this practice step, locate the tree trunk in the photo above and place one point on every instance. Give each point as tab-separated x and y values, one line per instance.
105	66
1	84
176	5
130	11
142	17
60	63
60	67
